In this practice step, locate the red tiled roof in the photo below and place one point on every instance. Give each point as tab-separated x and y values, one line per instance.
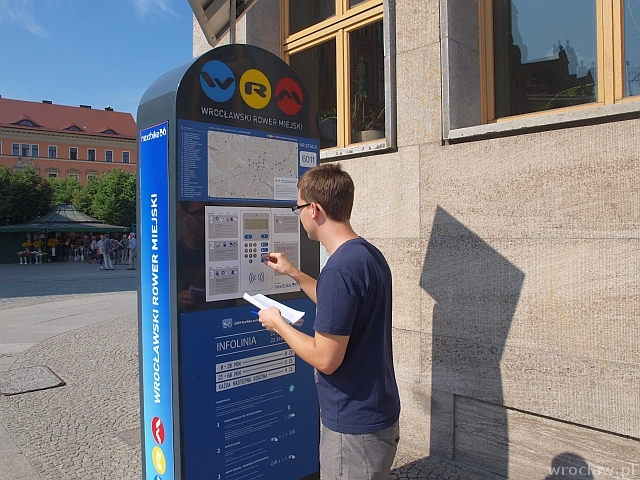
58	118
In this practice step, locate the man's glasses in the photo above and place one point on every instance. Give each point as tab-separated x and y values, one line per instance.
297	208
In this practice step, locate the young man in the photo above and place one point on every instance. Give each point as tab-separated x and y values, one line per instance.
351	348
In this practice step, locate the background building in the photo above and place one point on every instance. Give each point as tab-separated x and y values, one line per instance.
67	142
502	183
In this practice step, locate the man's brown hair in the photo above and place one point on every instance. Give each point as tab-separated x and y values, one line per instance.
331	187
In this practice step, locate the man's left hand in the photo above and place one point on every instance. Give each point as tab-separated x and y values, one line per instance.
270	318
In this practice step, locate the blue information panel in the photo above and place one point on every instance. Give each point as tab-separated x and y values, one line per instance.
222	163
249	398
155	331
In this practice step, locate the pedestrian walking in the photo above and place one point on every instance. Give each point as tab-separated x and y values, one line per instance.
94	249
133	251
86	248
101	252
107	249
124	251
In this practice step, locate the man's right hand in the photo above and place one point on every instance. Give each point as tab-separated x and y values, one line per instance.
280	263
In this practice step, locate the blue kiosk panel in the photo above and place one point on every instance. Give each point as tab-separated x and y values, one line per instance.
222	398
154	300
247	398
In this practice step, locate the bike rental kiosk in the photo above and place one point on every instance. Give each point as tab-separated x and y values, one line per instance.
222	143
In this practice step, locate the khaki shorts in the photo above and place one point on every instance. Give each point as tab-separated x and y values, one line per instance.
366	456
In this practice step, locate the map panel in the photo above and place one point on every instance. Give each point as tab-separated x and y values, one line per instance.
241	166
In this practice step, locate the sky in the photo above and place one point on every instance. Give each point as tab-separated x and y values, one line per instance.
90	52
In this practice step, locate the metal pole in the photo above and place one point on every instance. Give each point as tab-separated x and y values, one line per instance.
232	21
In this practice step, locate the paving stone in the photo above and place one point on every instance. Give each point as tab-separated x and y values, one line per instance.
29	379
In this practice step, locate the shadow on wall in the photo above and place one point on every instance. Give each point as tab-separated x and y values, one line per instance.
476	291
569	466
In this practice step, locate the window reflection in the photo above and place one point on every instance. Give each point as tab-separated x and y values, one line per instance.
316	67
366	53
304	13
632	47
545	55
353	3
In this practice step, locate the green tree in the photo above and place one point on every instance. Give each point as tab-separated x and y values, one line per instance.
64	190
6	204
83	197
25	195
115	199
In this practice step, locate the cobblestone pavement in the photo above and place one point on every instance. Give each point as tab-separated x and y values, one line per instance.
89	428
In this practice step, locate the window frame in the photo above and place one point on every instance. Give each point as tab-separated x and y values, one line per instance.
609	62
128	154
55	151
25	150
35	148
15	149
76	153
338	27
464	75
108	156
89	150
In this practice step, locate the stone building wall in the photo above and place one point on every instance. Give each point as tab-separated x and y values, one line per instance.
516	262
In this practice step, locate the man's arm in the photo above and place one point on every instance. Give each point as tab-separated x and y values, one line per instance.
323	351
281	264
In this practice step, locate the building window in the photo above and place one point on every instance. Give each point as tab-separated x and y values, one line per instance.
305	13
90	176
52	174
75	175
53	151
26	123
73	153
337	49
631	48
544	55
108	156
91	154
15	149
35	151
25	150
125	157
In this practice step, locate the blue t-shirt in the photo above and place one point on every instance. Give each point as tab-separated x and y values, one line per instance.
354	299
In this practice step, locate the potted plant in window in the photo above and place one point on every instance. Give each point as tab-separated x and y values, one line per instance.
367	117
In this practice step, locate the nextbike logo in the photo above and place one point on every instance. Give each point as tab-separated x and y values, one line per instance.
219	84
161	132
